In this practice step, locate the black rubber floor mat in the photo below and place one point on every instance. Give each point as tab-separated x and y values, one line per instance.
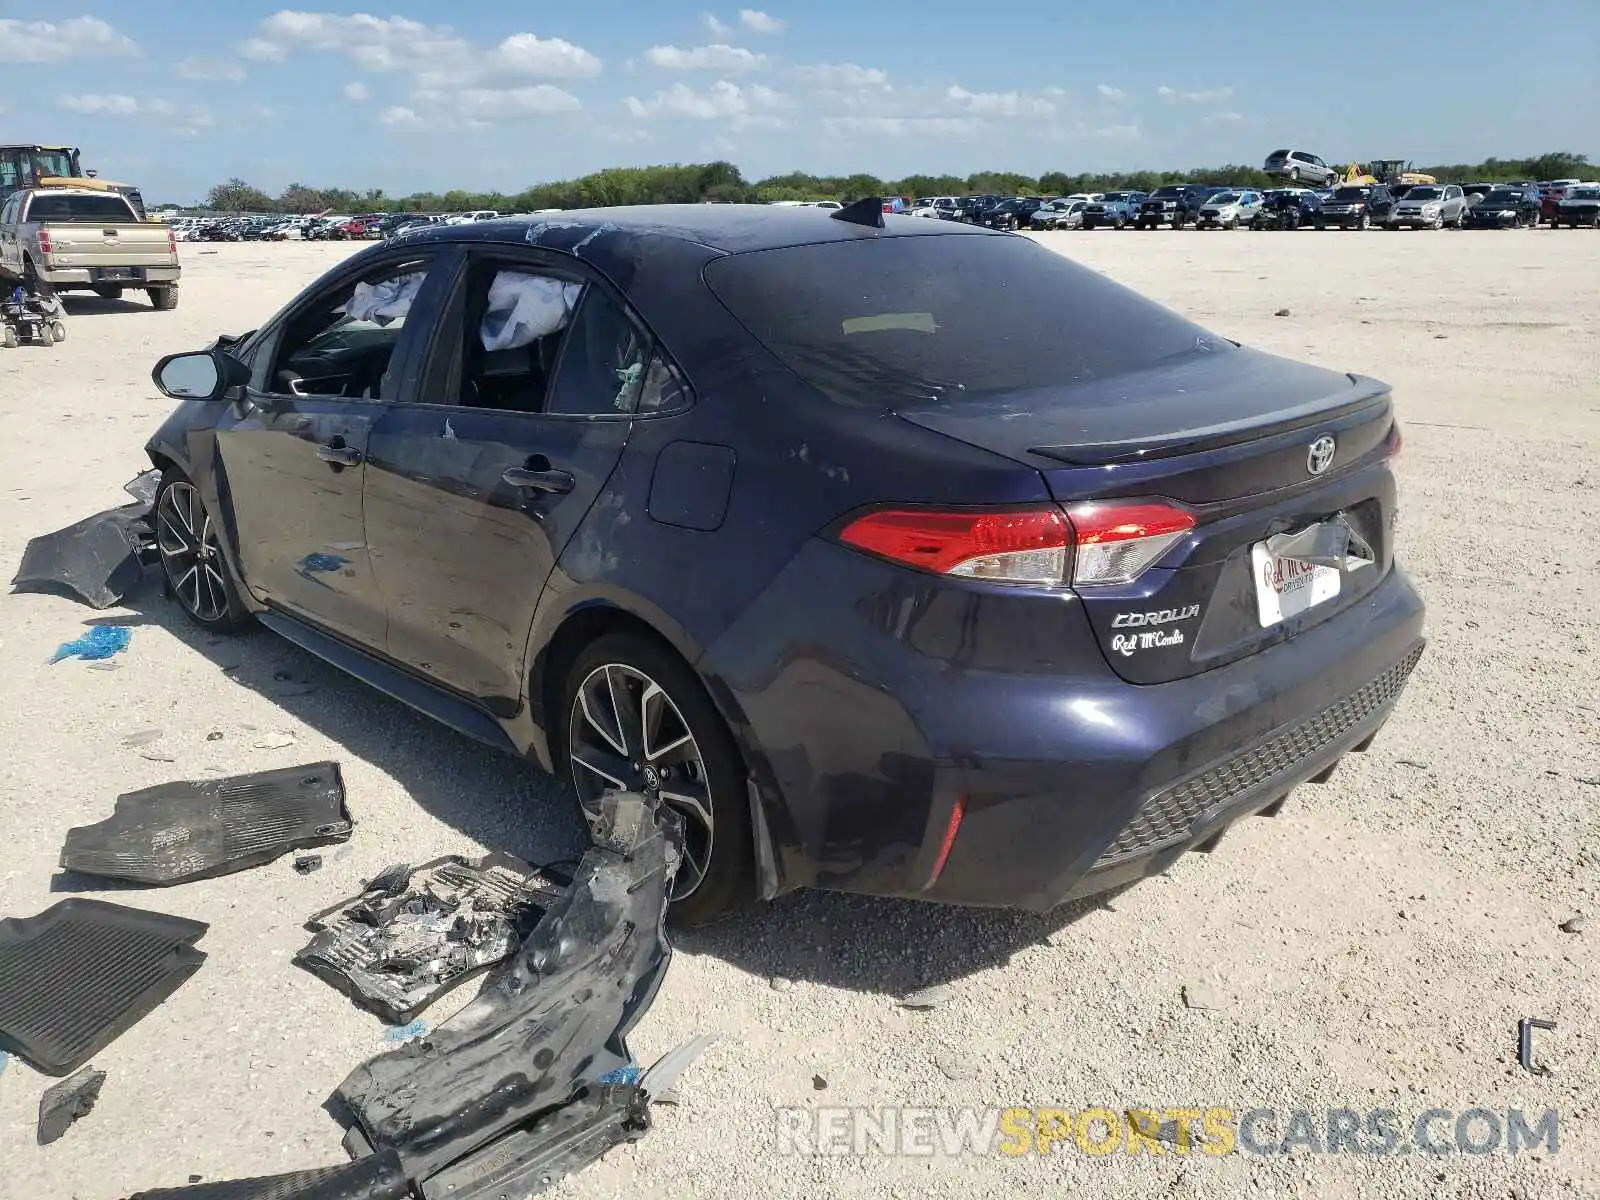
83	972
97	559
415	933
379	1177
178	832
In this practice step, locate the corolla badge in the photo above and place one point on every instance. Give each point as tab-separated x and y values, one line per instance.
1319	457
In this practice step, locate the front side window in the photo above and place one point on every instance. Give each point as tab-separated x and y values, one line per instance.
342	344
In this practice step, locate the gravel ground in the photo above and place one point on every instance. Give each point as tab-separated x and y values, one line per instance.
1372	947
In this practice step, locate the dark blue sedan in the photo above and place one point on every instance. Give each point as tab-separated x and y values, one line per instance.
899	556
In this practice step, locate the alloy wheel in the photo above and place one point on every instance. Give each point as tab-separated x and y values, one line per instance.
191	553
628	734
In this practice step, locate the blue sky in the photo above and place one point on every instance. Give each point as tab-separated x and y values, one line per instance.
181	94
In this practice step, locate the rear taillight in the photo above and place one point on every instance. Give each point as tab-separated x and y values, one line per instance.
172	241
1118	542
1028	547
45	246
1115	543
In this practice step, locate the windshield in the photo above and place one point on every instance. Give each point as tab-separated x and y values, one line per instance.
1499	197
1584	194
900	320
1423	193
56	206
53	162
1350	195
1167	192
1225	198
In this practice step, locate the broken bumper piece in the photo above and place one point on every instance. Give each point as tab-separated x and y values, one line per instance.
509	1095
416	933
101	558
377	1178
178	832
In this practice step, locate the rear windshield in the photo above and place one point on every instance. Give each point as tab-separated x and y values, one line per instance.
48	207
899	320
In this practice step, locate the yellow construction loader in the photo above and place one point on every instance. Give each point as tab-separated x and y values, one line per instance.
1387	171
56	166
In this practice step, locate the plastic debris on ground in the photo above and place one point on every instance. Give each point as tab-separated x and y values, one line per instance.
98	559
508	1096
101	642
68	1102
197	829
415	933
80	974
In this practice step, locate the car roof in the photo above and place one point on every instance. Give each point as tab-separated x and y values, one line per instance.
730	228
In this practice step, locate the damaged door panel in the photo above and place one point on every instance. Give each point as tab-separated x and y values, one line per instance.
83	972
182	831
416	933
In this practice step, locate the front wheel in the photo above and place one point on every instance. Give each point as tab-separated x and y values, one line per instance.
190	545
1365	222
637	718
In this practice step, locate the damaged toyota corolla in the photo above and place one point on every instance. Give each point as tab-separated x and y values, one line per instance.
897	556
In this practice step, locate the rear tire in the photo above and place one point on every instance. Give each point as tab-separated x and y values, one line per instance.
9	339
699	756
163	299
189	543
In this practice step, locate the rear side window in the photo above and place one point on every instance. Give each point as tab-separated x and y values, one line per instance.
48	207
913	319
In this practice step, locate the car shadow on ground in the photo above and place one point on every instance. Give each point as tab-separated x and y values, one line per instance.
860	943
80	304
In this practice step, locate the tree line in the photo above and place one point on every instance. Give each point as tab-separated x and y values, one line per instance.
694	183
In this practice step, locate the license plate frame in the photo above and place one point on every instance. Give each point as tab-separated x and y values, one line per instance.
1287	587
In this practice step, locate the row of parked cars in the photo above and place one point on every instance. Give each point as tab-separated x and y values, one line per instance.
320	228
1349	206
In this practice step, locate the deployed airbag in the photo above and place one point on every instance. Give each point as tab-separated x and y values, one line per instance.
385	301
182	831
80	974
415	933
524	308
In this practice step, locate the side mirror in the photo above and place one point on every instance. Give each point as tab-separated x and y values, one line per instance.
199	374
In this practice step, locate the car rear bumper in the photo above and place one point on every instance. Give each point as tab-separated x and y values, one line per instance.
140	277
893	711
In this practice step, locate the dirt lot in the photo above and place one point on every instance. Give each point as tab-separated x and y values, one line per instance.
1372	947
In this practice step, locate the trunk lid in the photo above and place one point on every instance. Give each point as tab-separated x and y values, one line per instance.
1229	437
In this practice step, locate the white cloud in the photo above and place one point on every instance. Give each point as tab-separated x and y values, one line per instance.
398	116
909	127
1117	133
741	106
999	104
1211	96
499	104
840	75
718	57
209	69
1227	117
356	91
1115	94
757	21
47	42
100	105
262	50
714	27
436	54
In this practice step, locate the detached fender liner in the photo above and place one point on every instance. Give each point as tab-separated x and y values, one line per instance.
83	972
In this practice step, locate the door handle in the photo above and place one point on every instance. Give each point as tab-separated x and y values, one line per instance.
339	455
554	483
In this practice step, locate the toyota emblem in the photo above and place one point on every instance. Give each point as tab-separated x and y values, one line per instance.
1320	456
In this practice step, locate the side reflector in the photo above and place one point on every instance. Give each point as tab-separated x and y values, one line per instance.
1001	547
956	814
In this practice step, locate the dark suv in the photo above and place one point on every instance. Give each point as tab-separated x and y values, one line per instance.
1015	213
1354	206
1511	206
1174	204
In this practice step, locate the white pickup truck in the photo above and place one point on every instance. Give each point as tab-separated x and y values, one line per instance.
75	239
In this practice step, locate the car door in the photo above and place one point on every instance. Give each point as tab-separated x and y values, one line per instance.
293	455
1454	203
474	488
